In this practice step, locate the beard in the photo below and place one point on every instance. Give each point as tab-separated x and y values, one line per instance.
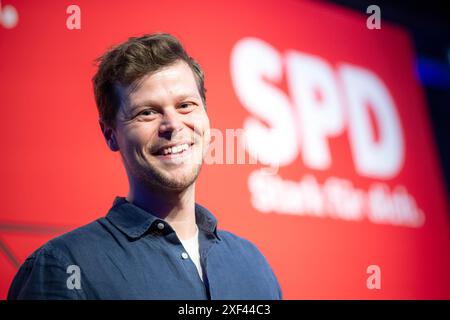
156	179
148	171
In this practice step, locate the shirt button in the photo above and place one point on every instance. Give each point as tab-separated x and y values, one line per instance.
160	226
184	255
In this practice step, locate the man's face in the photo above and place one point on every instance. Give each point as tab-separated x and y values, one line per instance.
162	129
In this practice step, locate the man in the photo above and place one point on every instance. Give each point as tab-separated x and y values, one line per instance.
156	243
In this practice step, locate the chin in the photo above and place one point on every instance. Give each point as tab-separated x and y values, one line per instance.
176	180
176	184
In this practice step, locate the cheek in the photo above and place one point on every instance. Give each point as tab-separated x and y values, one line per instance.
207	136
199	122
207	132
136	139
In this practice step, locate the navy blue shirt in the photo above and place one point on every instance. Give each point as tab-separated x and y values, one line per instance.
132	254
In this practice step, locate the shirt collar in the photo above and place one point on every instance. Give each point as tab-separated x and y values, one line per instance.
134	221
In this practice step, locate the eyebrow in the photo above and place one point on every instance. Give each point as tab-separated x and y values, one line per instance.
150	102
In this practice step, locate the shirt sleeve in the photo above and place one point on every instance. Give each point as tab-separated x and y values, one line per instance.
276	288
256	255
44	276
278	294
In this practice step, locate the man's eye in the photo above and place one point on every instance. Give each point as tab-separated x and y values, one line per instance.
147	112
185	105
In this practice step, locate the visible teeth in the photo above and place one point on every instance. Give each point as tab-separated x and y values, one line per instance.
176	149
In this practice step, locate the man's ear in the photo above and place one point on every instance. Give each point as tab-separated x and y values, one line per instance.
109	134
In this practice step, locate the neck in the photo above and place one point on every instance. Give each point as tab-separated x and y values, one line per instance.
177	208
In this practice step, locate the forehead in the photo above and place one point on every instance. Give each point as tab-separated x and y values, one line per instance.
170	82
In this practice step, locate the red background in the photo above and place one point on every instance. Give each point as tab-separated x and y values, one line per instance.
57	171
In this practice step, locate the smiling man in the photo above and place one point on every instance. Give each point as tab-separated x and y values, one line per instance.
156	243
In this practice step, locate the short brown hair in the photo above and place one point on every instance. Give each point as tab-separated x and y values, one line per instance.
127	63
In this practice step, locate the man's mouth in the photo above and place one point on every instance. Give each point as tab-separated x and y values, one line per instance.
174	151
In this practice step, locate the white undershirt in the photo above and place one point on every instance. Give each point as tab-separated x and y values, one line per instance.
192	248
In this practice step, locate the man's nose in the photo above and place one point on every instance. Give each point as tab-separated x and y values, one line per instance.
171	122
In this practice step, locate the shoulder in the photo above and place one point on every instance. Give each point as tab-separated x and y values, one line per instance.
66	248
90	235
228	239
249	257
44	273
237	241
241	247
